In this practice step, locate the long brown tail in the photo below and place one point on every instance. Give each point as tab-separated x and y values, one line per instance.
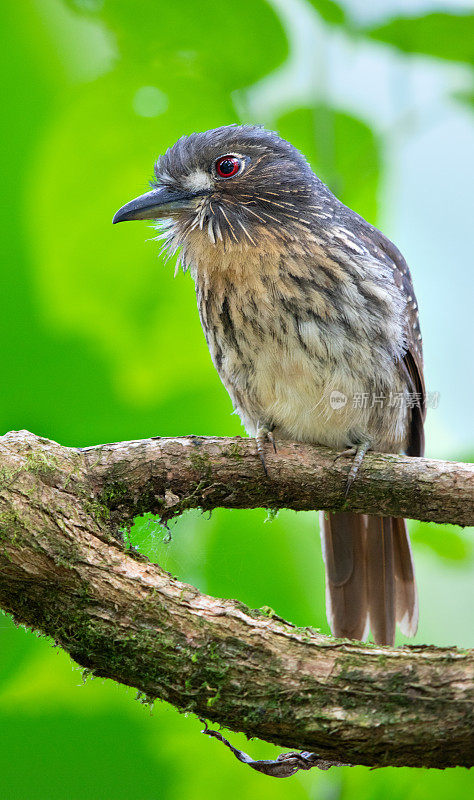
370	581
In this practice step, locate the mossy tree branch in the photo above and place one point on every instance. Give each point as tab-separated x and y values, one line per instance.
65	571
168	476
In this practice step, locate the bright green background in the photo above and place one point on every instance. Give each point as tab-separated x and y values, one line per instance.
99	343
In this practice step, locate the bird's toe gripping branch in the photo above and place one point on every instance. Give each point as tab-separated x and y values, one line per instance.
264	432
358	452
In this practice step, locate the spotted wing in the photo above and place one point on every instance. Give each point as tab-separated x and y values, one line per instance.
411	365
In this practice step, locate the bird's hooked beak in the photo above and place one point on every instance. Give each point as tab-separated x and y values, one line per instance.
160	202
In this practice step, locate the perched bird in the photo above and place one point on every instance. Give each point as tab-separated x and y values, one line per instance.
312	324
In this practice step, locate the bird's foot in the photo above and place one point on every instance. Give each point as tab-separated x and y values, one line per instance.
351	451
358	452
264	432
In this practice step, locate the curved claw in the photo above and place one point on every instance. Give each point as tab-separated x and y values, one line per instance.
350	451
263	433
271	437
360	452
262	459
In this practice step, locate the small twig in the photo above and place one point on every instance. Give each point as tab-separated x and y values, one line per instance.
65	570
284	766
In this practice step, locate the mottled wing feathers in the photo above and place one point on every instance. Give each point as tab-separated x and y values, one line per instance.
413	372
411	365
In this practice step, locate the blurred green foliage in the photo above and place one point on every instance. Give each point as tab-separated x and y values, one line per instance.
448	36
99	343
322	134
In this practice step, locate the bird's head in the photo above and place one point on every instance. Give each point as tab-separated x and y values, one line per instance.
228	185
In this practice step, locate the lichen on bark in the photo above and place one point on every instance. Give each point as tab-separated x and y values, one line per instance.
66	571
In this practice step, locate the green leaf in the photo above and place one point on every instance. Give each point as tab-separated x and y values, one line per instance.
234	43
449	36
447	541
330	11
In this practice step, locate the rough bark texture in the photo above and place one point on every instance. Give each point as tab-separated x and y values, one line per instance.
65	571
167	476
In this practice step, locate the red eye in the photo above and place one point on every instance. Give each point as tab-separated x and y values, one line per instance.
228	166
